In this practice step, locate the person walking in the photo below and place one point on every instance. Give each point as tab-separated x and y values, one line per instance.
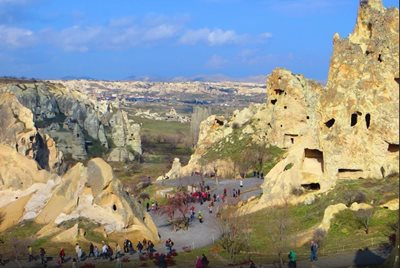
314	250
30	254
91	250
204	261
200	217
139	247
62	255
292	259
199	263
43	257
77	251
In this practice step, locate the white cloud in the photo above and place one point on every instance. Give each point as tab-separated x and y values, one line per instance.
158	32
13	37
210	37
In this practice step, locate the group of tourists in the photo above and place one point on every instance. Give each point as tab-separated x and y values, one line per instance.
258	174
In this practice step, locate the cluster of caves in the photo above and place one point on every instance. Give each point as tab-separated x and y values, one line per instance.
353	120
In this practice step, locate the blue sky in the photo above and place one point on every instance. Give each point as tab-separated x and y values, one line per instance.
170	38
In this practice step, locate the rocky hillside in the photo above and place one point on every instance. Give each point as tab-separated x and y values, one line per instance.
345	130
81	126
57	203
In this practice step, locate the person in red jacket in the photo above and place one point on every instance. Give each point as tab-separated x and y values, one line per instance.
62	255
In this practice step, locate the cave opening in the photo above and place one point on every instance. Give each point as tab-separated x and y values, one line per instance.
353	119
274	101
285	107
380	58
279	91
311	186
219	122
292	140
330	122
313	160
308	117
114	207
370	29
345	170
368	120
393	148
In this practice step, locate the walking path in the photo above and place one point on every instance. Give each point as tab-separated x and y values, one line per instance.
203	234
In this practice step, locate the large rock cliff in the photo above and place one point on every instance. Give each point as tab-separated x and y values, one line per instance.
345	130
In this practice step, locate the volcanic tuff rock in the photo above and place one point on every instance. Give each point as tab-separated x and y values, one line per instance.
74	119
19	132
125	136
347	130
89	192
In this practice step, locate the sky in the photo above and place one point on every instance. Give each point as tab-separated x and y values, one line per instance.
164	39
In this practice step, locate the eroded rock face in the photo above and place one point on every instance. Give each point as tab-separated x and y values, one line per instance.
89	192
360	109
126	138
349	129
77	121
19	132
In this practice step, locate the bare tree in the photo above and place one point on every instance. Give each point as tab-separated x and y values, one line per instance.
243	162
235	236
277	227
199	114
364	216
260	155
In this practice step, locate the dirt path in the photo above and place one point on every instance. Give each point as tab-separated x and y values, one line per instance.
203	234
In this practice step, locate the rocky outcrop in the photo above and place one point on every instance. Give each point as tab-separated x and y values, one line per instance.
359	130
347	130
76	121
20	133
125	136
90	193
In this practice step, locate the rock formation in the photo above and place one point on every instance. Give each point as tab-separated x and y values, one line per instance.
76	121
90	193
347	130
126	138
19	132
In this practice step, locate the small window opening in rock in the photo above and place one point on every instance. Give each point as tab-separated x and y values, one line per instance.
219	122
370	29
273	101
353	120
380	58
131	135
114	207
343	170
281	125
397	79
308	117
368	52
31	138
368	120
311	186
292	140
279	91
393	148
285	107
383	172
330	122
77	135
